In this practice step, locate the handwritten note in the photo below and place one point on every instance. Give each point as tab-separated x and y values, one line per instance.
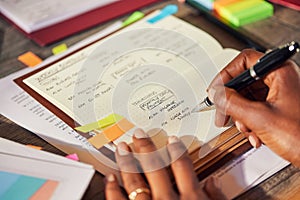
152	76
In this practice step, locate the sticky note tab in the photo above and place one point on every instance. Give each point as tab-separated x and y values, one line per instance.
137	15
107	121
222	3
245	11
111	133
166	11
34	147
118	129
73	157
59	49
30	59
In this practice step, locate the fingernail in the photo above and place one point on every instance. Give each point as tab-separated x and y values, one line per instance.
123	149
173	139
110	178
238	126
252	141
140	134
211	94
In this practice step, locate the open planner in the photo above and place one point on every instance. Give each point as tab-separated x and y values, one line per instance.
148	75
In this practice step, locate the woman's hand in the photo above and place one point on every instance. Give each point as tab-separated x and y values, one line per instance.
271	115
158	184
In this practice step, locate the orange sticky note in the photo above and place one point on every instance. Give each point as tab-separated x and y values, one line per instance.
34	147
30	59
118	129
99	140
111	133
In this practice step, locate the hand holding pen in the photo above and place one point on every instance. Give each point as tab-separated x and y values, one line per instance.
275	118
264	65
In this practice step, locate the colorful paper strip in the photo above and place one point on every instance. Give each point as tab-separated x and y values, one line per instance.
59	49
111	133
30	59
22	187
105	122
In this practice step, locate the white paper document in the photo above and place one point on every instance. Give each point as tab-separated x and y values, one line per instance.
249	170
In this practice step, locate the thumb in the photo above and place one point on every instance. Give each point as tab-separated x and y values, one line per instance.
228	102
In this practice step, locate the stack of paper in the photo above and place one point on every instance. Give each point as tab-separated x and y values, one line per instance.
32	15
27	173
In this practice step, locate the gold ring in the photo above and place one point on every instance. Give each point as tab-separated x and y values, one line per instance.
137	191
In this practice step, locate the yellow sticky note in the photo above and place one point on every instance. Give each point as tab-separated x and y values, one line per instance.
30	59
102	123
137	15
111	133
59	49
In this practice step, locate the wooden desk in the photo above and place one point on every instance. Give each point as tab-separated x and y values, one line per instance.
283	185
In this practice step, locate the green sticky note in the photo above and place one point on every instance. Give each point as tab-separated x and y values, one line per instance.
133	18
59	49
246	11
102	123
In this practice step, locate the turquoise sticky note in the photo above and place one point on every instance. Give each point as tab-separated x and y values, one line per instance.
166	11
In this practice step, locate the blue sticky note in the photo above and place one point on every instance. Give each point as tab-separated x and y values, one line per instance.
166	11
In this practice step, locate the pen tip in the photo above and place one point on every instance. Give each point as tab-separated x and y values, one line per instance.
195	110
202	107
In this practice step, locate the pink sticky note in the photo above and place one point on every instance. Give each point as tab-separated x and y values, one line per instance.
73	157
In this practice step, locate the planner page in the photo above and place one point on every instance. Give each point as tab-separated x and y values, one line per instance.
151	75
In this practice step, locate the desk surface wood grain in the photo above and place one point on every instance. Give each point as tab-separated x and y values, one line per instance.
283	185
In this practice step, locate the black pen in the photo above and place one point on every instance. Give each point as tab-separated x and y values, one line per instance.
264	65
